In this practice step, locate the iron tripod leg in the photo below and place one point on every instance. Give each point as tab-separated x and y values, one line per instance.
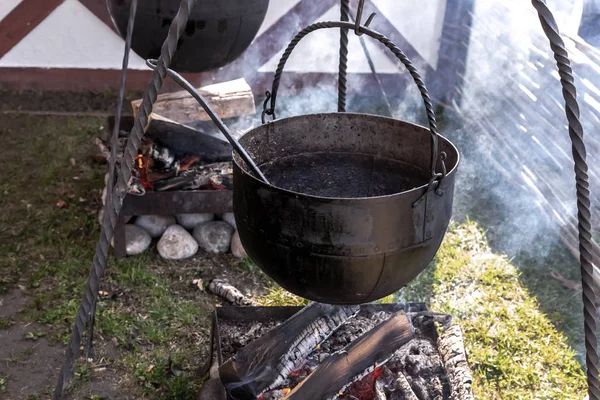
88	352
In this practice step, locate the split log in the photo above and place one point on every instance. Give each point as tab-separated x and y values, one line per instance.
183	140
452	350
266	362
224	289
228	99
356	360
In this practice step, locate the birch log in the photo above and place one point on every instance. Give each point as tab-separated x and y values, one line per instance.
452	350
228	99
229	292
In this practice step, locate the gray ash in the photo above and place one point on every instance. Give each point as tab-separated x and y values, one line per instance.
235	335
422	365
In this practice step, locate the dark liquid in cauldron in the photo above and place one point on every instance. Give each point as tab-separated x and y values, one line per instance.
343	175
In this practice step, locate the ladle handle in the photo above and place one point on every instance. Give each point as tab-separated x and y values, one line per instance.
272	96
180	80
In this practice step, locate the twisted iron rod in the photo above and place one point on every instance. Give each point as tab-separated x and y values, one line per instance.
115	200
583	193
113	153
342	81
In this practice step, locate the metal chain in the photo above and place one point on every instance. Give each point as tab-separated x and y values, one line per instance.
113	207
342	82
583	194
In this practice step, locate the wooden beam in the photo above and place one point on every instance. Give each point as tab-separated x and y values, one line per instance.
22	20
92	80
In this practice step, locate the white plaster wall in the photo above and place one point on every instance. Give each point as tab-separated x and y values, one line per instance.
70	37
6	6
319	52
421	25
276	10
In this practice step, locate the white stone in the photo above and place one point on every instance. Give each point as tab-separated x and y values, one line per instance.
155	225
236	246
176	244
137	240
230	219
190	221
214	237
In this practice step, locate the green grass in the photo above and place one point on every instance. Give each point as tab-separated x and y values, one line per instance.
519	326
515	351
278	296
48	250
6	323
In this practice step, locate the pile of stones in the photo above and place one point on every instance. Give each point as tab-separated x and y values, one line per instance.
182	236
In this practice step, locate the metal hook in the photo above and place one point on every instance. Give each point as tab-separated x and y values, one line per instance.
266	111
359	12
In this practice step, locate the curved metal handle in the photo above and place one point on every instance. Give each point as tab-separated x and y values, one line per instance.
272	96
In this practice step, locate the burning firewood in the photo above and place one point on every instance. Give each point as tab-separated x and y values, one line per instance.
266	362
356	360
224	289
210	176
183	140
228	99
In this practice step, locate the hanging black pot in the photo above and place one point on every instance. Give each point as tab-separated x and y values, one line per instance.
218	31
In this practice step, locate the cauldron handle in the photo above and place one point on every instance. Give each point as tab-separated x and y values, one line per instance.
272	96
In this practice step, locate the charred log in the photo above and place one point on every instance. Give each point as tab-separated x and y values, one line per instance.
267	361
183	140
225	290
163	158
211	176
358	359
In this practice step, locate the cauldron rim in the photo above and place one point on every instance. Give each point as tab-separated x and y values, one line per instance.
243	168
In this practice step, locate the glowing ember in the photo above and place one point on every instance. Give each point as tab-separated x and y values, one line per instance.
363	389
140	161
188	161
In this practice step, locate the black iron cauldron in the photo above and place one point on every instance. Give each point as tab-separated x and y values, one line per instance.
370	222
218	31
356	206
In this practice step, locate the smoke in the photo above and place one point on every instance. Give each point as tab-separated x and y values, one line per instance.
516	174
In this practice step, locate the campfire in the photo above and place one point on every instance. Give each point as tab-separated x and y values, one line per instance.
160	168
178	155
369	352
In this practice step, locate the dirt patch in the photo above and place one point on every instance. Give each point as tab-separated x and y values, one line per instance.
29	362
12	302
